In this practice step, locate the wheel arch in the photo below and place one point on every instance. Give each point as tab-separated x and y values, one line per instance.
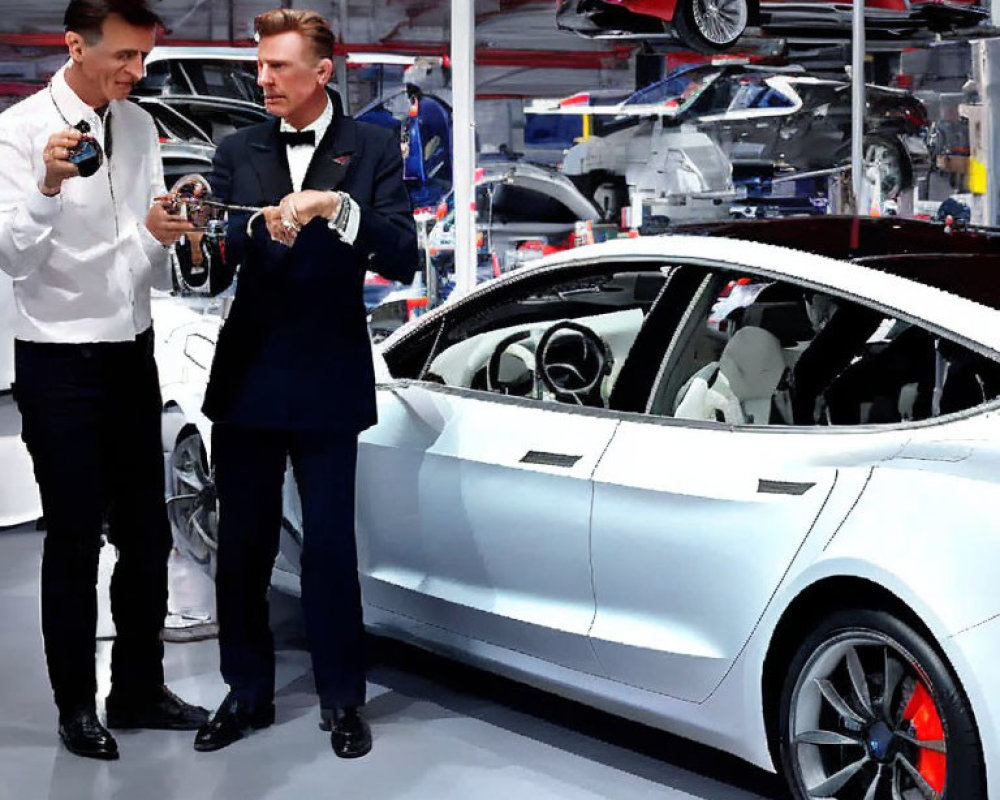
172	421
807	609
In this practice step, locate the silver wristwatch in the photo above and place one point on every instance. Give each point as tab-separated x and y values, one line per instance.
339	220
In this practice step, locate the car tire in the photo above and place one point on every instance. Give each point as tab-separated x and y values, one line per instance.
192	507
710	26
839	731
897	177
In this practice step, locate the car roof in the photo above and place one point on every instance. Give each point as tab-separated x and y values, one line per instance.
167	52
896	295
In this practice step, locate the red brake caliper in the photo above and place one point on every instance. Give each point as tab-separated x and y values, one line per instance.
922	714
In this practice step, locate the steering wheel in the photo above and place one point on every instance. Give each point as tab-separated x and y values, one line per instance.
572	361
522	381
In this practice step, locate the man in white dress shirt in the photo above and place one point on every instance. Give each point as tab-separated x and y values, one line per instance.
84	252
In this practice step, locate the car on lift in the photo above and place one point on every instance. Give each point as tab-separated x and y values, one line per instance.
704	25
769	122
190	127
781	544
710	26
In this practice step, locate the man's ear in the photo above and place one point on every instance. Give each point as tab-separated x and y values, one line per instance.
325	69
75	44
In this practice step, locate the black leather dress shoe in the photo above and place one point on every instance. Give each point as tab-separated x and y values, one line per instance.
350	735
83	734
161	709
231	722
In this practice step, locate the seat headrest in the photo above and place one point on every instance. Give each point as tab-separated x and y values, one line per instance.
752	363
787	319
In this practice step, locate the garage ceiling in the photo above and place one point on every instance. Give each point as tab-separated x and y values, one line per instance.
520	24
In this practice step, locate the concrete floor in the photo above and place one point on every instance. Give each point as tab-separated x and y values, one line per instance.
441	731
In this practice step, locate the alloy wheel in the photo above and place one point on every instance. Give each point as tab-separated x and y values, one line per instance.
864	723
192	508
720	22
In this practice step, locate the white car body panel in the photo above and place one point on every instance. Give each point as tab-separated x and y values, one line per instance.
497	558
676	600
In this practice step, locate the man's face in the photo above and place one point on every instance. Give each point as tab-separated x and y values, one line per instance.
111	66
292	78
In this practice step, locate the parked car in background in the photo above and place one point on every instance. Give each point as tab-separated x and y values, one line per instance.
742	540
703	25
768	122
209	71
190	127
714	25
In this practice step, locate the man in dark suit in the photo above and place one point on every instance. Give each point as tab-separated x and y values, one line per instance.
293	375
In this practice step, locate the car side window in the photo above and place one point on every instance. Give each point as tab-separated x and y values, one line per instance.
758	352
565	342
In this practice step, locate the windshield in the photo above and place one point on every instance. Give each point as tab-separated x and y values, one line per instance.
677	92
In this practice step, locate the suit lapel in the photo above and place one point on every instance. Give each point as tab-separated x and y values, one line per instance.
334	152
270	160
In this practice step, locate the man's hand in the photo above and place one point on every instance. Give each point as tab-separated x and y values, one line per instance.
281	228
166	228
54	156
300	208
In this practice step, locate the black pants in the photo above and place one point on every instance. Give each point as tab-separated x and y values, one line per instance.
91	421
250	468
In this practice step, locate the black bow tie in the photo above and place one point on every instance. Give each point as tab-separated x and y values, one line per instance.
292	138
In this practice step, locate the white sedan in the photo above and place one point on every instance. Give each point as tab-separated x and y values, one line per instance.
781	543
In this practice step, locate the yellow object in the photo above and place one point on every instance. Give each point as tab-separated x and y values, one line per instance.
977	176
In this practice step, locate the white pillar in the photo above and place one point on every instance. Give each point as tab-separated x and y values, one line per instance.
984	133
463	52
858	105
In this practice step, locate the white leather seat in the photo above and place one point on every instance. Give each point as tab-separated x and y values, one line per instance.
738	388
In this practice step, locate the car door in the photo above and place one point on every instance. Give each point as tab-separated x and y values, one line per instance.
474	506
695	521
487	533
748	128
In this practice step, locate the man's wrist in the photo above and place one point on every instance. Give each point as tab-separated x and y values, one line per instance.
47	191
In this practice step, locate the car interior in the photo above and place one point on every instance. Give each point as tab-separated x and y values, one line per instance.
797	357
651	341
567	343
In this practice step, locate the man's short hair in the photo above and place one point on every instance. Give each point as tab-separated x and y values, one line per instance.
86	17
310	24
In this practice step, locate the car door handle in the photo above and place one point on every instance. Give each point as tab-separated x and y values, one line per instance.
549	459
765	486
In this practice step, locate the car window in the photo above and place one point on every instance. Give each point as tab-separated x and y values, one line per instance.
155	80
557	342
757	94
171	126
225	79
759	352
218	121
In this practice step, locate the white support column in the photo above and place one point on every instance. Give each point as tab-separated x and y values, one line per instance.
340	63
984	133
463	52
858	106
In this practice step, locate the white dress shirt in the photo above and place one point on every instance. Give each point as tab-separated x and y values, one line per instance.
299	158
83	261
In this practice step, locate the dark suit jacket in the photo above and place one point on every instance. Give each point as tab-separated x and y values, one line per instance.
294	352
